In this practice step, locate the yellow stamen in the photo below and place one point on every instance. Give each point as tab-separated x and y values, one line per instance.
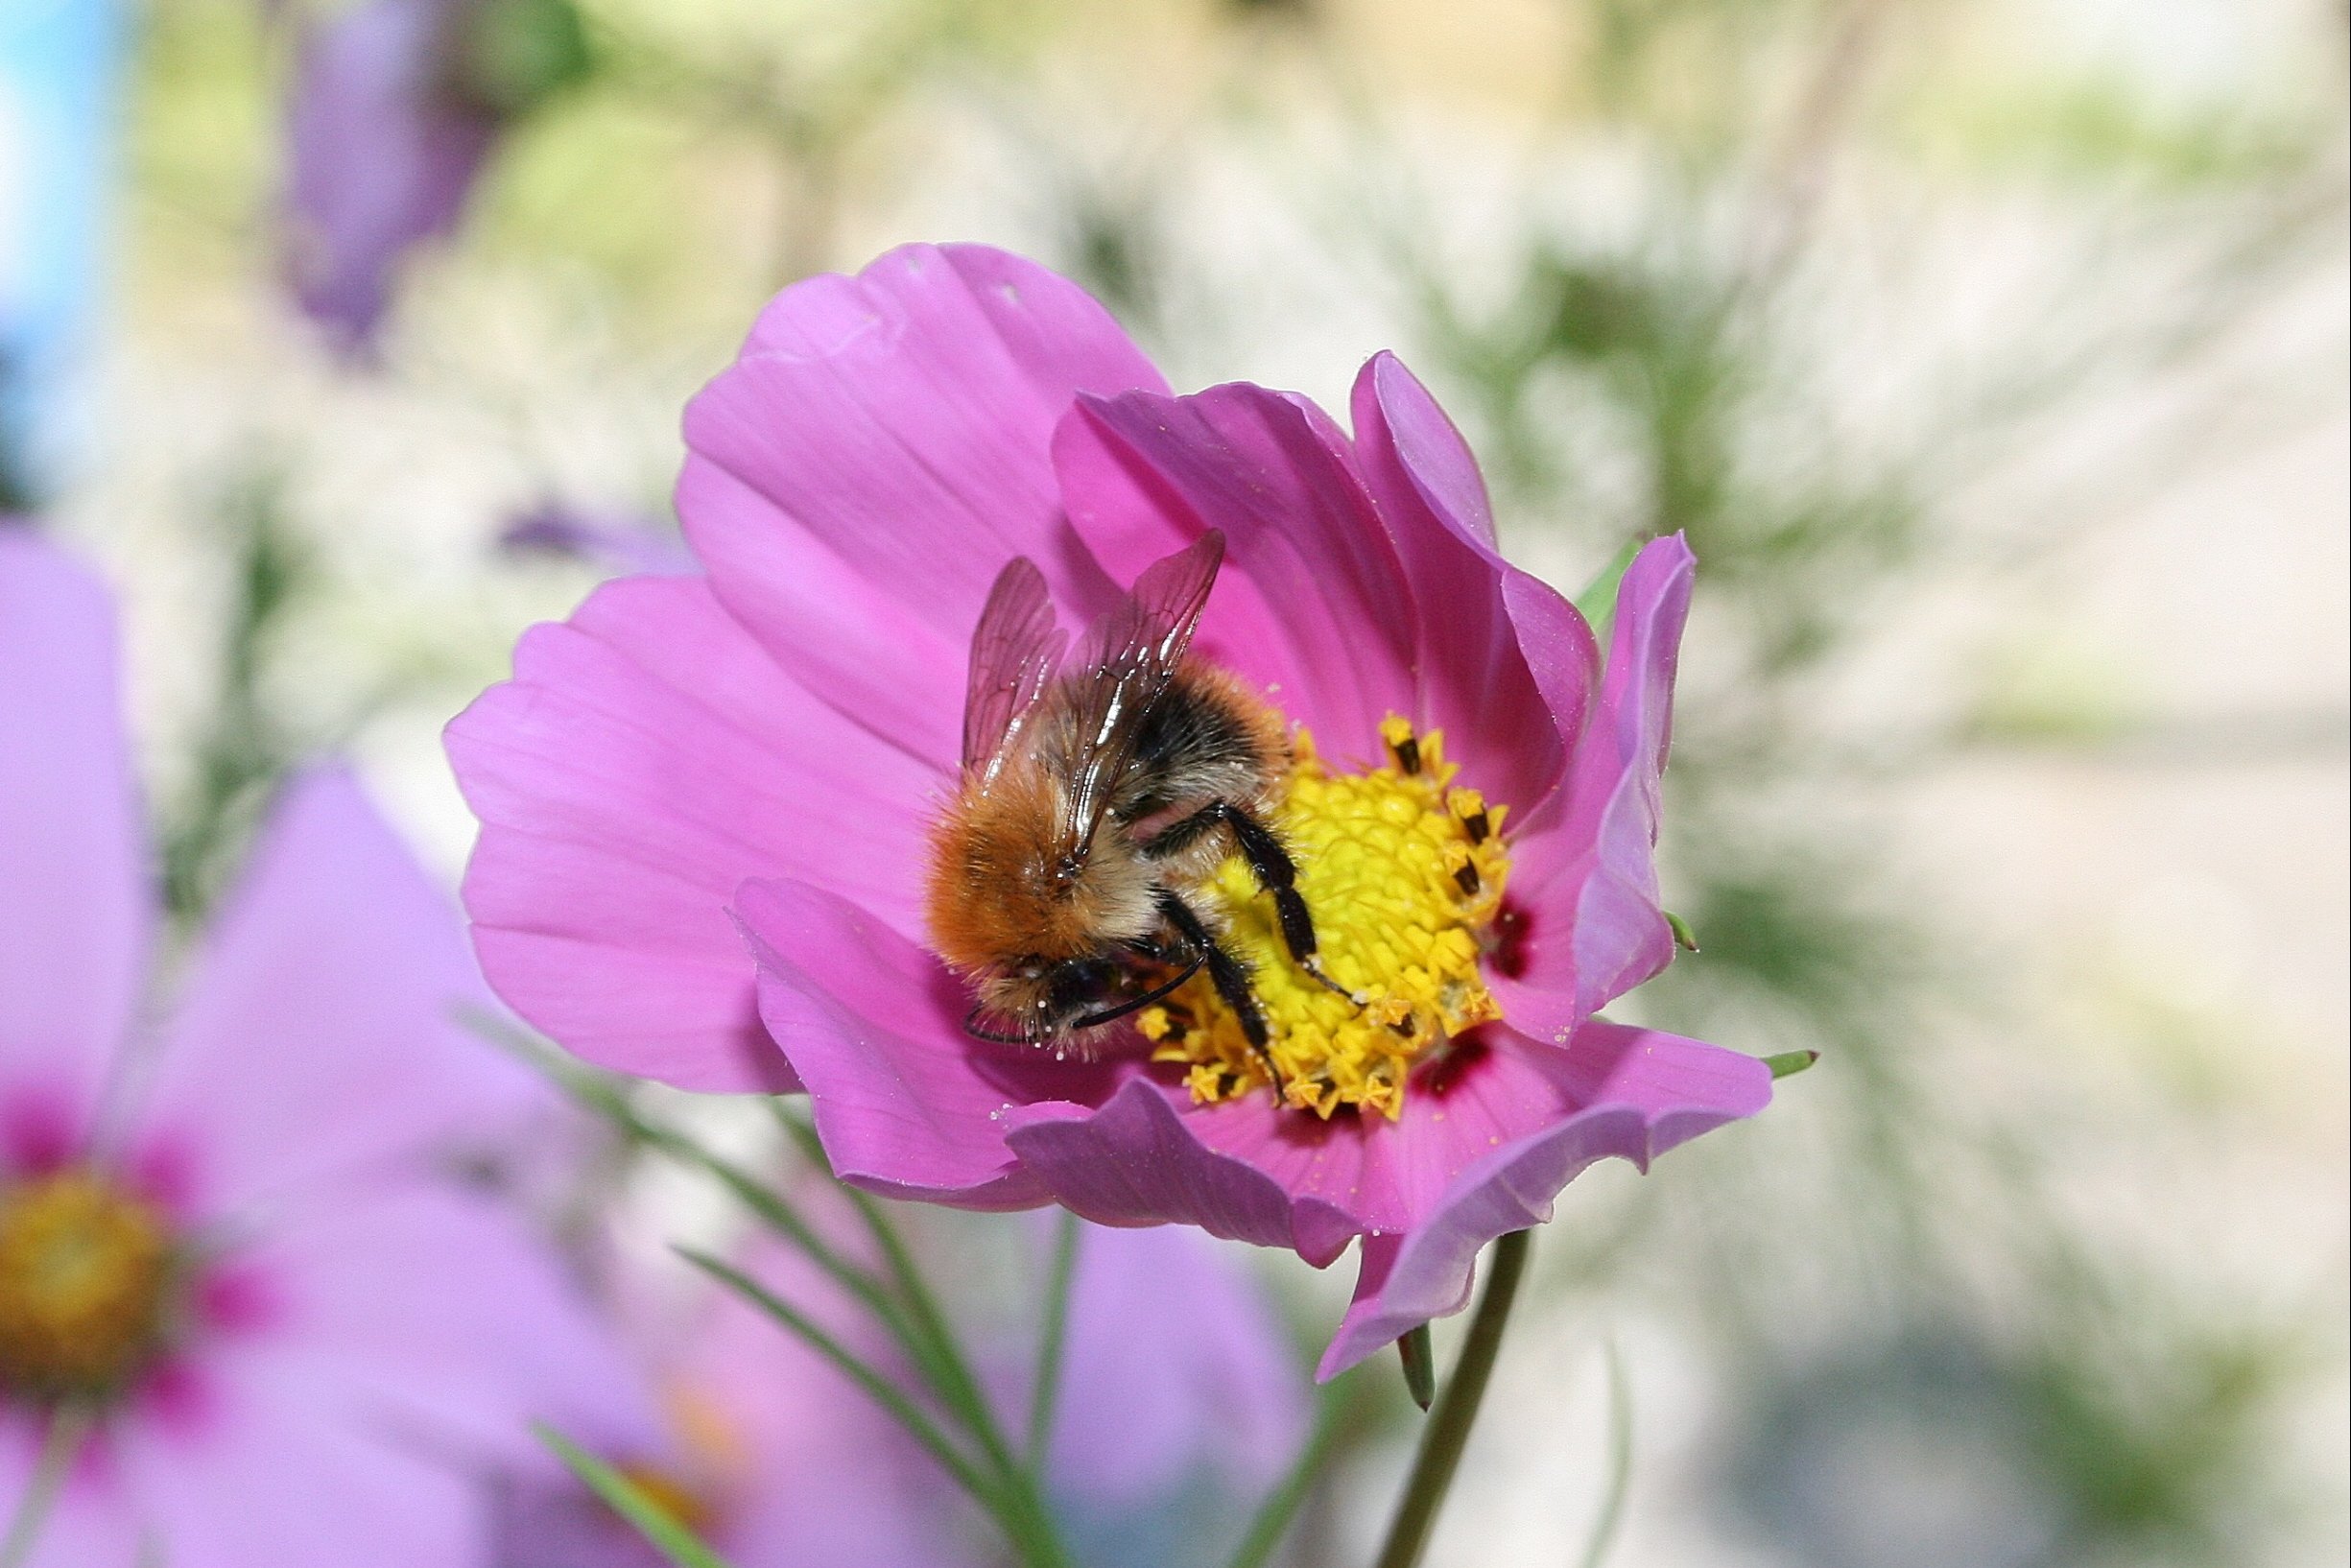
85	1278
1404	876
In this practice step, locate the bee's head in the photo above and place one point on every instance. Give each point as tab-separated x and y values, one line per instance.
1038	1001
1004	880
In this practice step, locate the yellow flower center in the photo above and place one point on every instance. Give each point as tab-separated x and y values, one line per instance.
1404	876
676	1498
85	1277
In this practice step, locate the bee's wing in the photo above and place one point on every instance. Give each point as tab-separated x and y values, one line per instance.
1014	652
1131	655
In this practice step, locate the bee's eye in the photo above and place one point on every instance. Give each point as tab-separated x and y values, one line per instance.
1080	983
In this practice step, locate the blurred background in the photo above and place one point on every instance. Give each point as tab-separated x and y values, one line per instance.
1991	353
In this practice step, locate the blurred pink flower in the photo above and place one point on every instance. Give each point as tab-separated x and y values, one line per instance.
766	746
231	1251
779	1462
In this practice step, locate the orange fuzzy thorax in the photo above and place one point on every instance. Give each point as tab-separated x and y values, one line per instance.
997	888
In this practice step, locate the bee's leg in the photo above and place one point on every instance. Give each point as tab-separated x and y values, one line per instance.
1275	872
1229	977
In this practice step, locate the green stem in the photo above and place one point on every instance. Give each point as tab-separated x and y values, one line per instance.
1281	1504
1027	1519
1045	1393
912	1315
931	1339
600	1095
1620	1463
878	1388
62	1442
1447	1434
672	1539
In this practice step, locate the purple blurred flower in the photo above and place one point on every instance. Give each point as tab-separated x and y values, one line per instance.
1181	1402
619	543
396	107
762	752
779	1462
743	1433
233	1252
383	152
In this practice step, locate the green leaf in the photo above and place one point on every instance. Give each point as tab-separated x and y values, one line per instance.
1597	603
676	1542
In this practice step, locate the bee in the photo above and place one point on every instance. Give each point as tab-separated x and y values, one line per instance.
1094	803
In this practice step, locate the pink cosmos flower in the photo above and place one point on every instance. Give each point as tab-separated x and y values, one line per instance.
761	753
777	1460
224	1249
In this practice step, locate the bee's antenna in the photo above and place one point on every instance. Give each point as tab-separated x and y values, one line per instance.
1138	1002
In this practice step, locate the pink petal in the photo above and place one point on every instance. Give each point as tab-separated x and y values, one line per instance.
1246	1170
274	1473
1493	1121
646	759
1313	605
783	1398
1585	877
906	1103
857	478
75	906
91	1522
1639	1093
1506	666
1415	455
401	1340
322	1032
1139	1161
429	1315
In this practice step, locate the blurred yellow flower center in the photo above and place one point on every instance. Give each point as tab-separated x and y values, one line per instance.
85	1272
709	1458
1404	876
677	1499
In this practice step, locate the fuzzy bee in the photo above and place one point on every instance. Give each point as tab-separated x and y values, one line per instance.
1095	801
